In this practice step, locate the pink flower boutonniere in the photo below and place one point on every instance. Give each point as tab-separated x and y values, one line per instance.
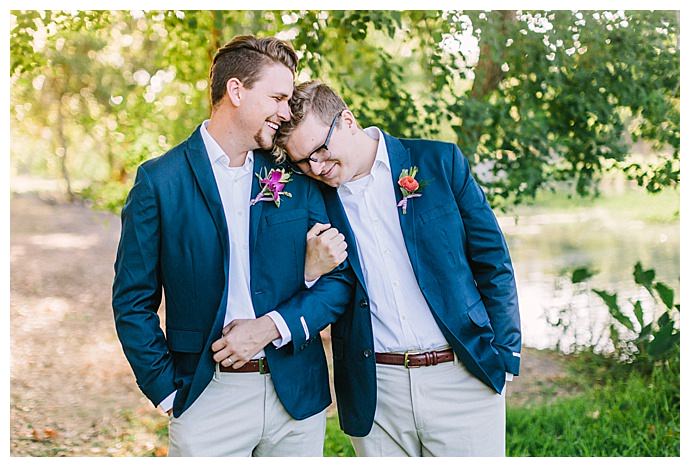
409	186
272	184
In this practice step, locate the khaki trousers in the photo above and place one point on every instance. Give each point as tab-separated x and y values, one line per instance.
440	410
239	414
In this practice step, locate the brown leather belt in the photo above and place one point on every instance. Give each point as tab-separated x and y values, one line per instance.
252	366
414	360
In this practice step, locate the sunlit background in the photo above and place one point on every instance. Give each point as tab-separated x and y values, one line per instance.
570	120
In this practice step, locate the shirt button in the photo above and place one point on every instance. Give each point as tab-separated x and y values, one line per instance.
396	283
367	353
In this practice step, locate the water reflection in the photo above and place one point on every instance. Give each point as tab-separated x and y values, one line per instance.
543	247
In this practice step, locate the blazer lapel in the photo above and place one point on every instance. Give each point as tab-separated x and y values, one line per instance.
338	219
399	158
201	168
261	163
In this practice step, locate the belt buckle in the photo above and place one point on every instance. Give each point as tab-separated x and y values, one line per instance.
262	366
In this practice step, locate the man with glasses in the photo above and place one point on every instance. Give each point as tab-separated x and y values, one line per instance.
240	368
422	356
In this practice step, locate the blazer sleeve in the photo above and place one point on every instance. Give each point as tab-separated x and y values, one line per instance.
137	292
490	262
311	310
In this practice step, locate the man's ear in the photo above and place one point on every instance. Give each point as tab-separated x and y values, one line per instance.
234	90
349	121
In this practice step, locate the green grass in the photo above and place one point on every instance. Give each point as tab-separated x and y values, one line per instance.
631	415
337	443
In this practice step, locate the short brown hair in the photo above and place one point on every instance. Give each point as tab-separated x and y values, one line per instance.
312	96
244	57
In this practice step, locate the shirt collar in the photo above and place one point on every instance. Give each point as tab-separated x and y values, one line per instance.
216	153
382	158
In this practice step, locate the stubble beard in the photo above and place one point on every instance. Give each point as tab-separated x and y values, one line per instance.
262	141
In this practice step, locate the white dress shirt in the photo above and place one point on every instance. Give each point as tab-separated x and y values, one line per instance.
235	186
401	317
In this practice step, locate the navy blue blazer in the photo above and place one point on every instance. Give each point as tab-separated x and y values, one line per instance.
174	241
461	262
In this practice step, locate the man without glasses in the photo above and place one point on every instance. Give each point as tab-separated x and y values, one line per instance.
241	367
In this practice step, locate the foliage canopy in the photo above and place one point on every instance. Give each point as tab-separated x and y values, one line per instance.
532	98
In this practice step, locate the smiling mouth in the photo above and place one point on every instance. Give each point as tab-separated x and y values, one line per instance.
330	171
273	126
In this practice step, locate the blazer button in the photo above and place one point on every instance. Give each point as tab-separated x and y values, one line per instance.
364	303
367	353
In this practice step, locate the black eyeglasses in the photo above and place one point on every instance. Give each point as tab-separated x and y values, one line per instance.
297	166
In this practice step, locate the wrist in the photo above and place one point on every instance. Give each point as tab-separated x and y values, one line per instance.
310	277
270	329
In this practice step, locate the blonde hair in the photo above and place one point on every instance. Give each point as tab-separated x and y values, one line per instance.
312	96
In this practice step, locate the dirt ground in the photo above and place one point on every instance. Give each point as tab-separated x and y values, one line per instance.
72	392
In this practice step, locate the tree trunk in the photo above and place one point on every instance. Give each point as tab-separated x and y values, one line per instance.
488	73
62	155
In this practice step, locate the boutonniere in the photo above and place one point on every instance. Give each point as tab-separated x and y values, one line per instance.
409	186
272	184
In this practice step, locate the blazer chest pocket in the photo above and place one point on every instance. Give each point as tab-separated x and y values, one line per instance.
434	213
180	340
293	215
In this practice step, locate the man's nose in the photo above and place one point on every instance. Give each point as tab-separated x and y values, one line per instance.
284	111
317	167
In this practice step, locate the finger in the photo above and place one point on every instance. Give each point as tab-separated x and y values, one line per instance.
316	230
329	234
226	363
218	345
220	356
239	364
227	328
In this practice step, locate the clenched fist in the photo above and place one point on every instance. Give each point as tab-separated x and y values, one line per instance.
326	249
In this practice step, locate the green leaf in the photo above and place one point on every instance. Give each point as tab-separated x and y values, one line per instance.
582	274
643	277
637	309
664	340
666	294
611	301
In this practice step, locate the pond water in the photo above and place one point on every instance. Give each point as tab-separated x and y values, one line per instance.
544	246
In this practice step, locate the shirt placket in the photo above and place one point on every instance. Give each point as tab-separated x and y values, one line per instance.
385	250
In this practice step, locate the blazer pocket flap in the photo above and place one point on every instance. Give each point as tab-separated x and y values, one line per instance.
180	340
478	314
287	216
433	213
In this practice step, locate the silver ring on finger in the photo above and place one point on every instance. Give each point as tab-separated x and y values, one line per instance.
229	360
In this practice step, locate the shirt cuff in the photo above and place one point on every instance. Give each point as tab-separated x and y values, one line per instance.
310	283
167	403
509	376
285	336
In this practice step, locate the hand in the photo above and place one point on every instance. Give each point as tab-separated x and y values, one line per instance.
326	249
242	339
